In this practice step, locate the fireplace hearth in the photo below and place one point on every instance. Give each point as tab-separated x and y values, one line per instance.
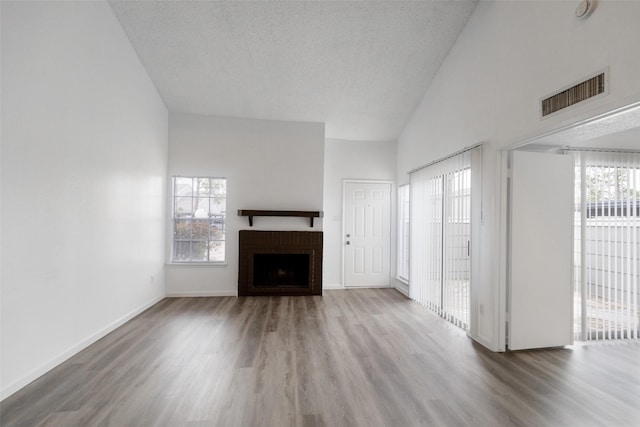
280	263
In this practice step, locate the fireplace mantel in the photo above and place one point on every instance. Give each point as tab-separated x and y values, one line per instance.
304	214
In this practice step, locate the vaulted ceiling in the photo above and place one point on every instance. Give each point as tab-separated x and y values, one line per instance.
361	67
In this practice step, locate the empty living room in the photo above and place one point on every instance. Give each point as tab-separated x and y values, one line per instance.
319	213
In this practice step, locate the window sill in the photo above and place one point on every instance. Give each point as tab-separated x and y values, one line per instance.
196	264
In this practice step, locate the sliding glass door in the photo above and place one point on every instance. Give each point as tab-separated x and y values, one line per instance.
440	267
457	249
607	245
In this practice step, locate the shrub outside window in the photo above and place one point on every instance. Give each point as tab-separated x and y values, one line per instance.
199	214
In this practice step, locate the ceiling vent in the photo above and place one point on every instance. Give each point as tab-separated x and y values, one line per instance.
580	92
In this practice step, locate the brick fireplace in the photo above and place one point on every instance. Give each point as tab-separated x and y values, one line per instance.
280	263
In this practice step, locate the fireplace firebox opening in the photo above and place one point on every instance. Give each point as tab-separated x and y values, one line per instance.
281	270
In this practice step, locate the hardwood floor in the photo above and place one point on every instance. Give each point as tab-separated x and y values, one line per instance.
350	358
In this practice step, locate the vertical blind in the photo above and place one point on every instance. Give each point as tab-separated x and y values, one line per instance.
440	261
607	245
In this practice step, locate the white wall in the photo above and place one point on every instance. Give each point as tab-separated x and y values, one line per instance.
508	57
269	165
84	140
350	160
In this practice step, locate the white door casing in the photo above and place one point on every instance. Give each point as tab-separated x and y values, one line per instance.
541	233
367	233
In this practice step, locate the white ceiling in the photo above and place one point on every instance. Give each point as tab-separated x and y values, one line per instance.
361	67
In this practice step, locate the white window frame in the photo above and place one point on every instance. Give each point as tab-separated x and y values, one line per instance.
404	224
214	220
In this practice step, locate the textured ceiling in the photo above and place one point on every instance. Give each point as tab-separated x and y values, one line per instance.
361	67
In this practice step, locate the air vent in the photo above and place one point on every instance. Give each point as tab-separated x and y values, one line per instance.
578	93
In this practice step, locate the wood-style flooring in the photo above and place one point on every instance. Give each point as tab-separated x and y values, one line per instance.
350	358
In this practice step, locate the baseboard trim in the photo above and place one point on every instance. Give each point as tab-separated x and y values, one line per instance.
43	369
196	294
369	287
403	288
332	286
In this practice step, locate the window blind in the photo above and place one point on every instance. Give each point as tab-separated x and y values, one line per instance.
440	258
607	245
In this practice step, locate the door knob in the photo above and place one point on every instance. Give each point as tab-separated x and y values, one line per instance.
348	235
348	242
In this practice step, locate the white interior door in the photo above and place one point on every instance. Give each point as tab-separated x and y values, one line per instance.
367	234
540	286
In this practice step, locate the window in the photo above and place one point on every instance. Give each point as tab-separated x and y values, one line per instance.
403	232
199	212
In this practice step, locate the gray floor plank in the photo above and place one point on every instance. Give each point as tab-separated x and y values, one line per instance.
366	357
